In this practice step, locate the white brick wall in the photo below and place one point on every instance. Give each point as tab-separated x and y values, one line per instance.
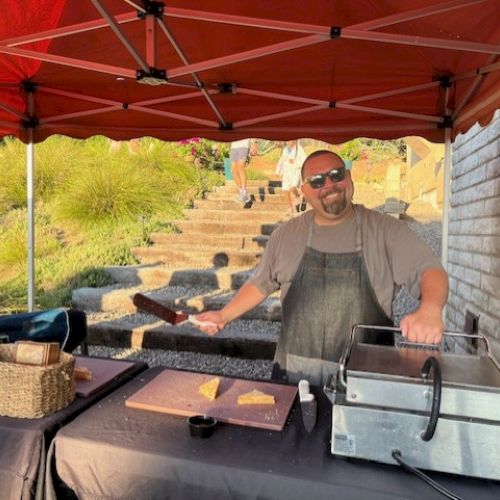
474	231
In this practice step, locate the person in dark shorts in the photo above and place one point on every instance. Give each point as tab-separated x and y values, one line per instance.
238	154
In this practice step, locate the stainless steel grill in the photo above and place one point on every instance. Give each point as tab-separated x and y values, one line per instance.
439	410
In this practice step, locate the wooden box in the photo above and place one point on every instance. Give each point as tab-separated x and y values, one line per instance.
37	353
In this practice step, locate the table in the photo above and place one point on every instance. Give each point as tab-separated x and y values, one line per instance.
24	442
123	453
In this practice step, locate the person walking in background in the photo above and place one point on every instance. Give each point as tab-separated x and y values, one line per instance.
238	155
289	167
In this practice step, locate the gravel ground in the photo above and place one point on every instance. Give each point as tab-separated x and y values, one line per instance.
257	369
170	292
249	329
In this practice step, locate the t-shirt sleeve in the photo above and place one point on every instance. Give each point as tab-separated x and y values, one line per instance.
264	277
409	256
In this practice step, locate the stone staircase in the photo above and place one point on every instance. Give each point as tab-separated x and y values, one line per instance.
199	268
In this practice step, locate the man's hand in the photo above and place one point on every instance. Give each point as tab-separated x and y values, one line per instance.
215	319
425	325
247	298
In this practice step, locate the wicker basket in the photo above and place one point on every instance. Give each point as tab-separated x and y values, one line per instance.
28	391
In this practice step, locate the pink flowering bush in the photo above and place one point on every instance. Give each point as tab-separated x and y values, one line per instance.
204	152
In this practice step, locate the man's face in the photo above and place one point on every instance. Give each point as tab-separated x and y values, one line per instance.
333	200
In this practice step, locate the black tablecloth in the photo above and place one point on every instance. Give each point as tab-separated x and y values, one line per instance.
24	442
121	453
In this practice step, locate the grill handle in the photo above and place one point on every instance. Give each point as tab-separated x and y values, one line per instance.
342	374
432	363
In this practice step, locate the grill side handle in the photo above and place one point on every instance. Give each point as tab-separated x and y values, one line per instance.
432	363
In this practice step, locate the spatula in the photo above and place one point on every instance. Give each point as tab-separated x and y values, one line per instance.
152	306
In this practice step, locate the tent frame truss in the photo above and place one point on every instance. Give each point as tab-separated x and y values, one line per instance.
154	15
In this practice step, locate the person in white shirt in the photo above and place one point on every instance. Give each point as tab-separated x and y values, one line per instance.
289	167
238	155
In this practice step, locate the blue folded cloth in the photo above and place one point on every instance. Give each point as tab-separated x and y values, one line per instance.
42	326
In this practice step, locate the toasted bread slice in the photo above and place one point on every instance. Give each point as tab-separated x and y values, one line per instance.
256	397
209	389
82	373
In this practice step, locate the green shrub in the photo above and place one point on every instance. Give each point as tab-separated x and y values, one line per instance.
13	168
54	159
107	191
255	175
272	155
13	295
13	241
13	251
60	295
351	150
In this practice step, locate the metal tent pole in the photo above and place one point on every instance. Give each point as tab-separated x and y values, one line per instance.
446	197
446	203
30	198
30	178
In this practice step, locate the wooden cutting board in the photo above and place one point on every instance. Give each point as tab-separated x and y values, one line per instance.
176	392
103	371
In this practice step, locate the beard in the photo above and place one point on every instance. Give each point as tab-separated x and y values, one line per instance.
336	206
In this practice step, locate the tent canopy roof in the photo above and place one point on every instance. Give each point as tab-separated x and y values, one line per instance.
224	70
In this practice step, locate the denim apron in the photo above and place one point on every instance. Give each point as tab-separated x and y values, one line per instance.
329	293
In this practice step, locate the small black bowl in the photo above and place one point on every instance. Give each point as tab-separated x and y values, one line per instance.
201	426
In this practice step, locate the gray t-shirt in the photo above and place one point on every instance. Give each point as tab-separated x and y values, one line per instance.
394	255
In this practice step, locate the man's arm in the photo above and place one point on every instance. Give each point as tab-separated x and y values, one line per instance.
425	325
248	297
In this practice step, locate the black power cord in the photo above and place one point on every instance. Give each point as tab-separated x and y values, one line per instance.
396	454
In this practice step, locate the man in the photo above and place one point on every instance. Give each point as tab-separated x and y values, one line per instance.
238	155
337	265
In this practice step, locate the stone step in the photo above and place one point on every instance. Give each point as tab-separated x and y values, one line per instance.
256	198
221	204
363	193
162	276
262	216
254	339
220	242
177	298
204	256
225	228
255	190
260	183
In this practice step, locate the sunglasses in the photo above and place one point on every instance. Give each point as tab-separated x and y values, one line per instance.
317	181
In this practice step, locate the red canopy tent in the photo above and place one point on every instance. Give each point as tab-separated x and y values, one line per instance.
224	70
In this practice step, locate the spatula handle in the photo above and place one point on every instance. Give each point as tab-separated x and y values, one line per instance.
196	322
